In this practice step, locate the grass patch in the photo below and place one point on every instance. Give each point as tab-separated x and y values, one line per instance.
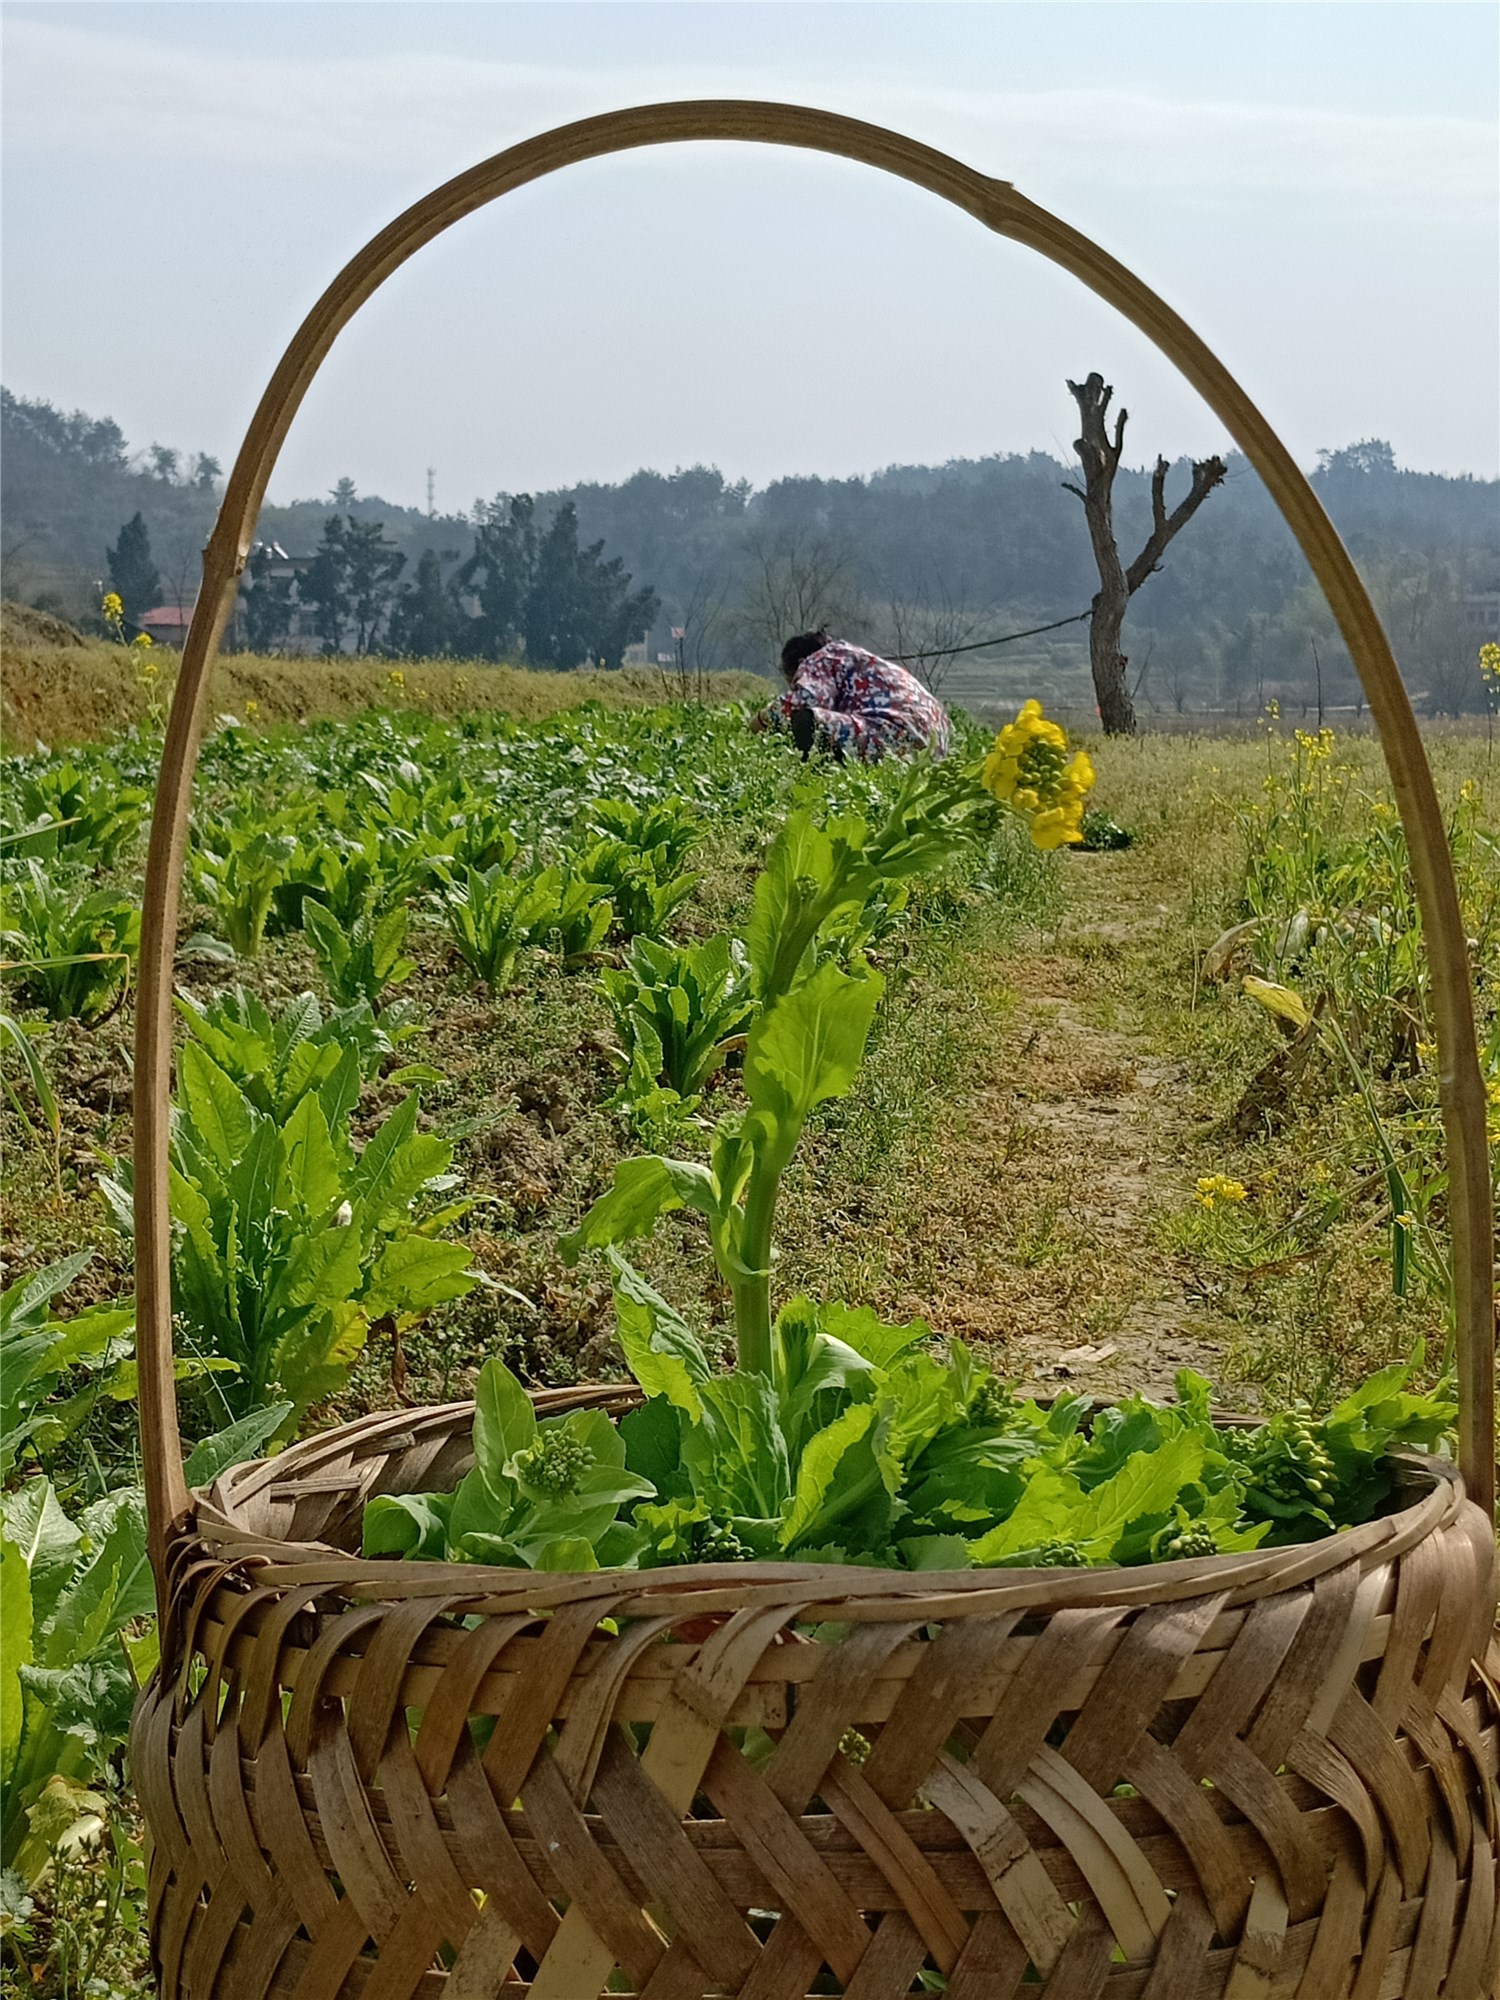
89	693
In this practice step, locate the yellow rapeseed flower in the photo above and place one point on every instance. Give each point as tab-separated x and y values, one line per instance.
1489	661
113	607
1028	769
1214	1188
143	639
396	678
252	709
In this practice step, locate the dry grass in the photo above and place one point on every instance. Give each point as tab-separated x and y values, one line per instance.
61	693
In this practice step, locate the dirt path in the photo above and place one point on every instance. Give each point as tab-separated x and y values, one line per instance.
1098	1135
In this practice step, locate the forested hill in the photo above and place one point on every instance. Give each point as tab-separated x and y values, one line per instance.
907	554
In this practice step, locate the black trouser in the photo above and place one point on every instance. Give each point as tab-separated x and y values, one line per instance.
804	727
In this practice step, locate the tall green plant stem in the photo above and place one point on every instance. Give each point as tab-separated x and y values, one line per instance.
901	845
751	1285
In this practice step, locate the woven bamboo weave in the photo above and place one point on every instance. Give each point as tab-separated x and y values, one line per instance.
1245	1778
1236	1777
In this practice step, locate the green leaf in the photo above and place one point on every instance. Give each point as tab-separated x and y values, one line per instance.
1115	1522
737	1458
326	935
480	1508
968	1478
407	1524
567	1552
15	1652
398	1163
307	1068
24	1304
863	1330
36	1075
1050	1504
917	1401
313	1178
479	1547
116	1525
644	1188
312	1358
1145	1490
504	1421
47	1540
375	1170
663	1353
414	1273
214	1105
652	1437
85	1610
837	1468
323	1271
934	1552
234	1444
620	1546
799	870
815	1373
808	1046
670	1530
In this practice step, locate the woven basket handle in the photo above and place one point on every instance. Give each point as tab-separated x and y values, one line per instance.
997	205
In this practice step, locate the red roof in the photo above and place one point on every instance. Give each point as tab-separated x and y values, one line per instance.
168	617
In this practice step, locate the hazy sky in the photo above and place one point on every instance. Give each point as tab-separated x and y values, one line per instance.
1314	186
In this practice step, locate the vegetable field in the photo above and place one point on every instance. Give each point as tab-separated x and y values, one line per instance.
518	1053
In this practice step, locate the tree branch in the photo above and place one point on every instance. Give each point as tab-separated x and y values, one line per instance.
1207	474
1159	496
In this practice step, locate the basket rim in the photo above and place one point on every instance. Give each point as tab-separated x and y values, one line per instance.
217	1533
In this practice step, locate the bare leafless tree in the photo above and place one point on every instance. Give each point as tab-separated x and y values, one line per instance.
707	623
1100	455
1179	681
926	628
795	581
180	561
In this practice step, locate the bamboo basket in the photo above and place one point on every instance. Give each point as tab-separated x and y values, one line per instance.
1228	1779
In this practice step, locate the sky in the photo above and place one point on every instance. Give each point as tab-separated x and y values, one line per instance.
1311	183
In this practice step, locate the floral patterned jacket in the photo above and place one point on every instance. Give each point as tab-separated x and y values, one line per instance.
865	706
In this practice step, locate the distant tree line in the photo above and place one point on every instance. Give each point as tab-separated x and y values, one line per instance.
524	592
911	558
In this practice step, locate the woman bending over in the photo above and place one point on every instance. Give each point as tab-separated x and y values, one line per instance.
853	703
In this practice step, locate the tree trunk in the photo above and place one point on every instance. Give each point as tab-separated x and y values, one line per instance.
1107	664
1099	453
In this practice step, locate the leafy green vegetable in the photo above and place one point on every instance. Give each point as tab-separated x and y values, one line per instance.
71	953
288	1244
493	915
677	1009
543	1495
66	1687
236	863
38	1352
359	959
